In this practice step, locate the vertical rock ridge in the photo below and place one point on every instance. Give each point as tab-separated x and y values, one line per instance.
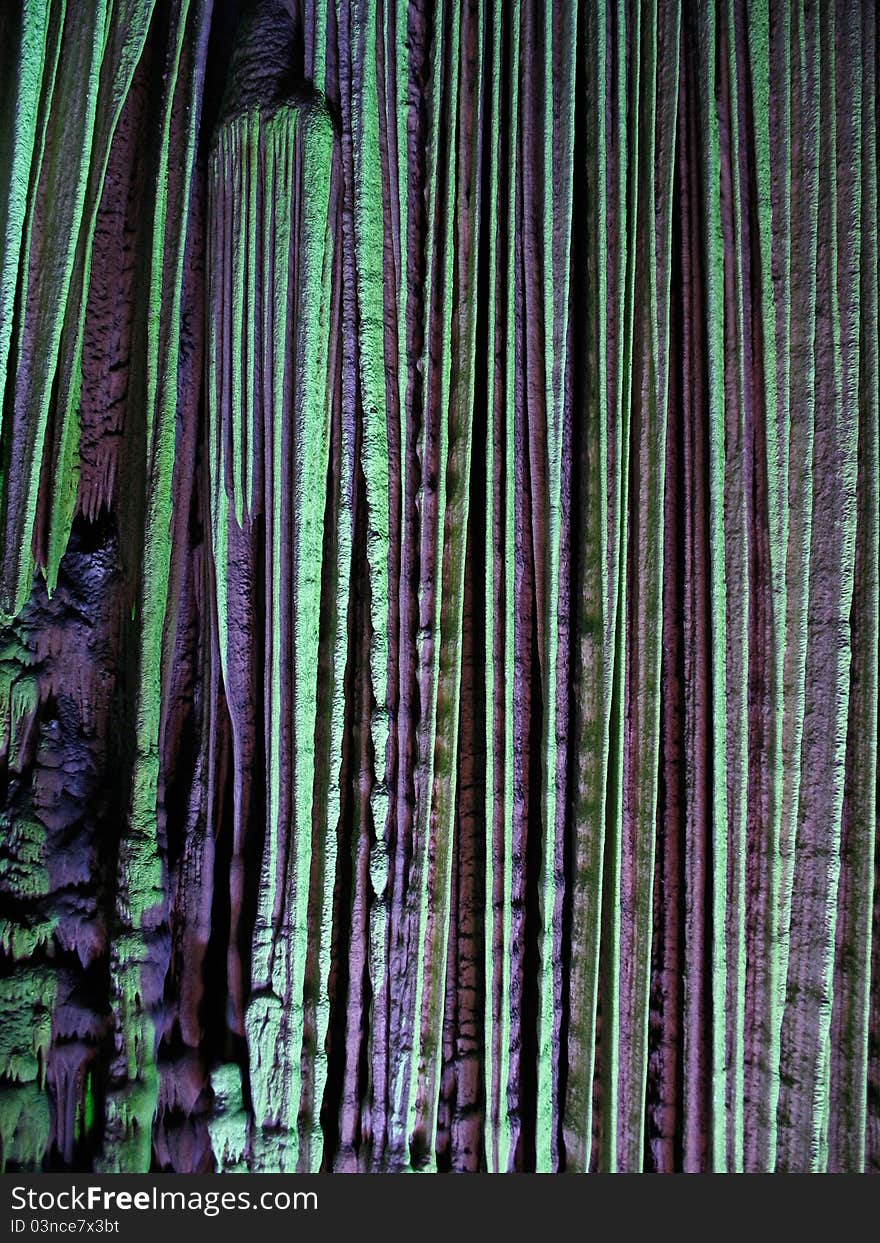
439	585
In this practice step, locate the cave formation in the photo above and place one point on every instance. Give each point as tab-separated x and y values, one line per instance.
440	521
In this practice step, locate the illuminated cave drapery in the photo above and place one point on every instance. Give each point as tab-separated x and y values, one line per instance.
440	526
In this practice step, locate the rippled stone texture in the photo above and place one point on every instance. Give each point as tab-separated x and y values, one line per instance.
439	585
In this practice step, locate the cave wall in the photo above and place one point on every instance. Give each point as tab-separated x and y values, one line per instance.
440	523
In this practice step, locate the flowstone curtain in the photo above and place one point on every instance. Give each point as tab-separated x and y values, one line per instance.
440	517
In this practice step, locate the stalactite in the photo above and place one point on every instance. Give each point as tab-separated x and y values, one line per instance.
439	588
